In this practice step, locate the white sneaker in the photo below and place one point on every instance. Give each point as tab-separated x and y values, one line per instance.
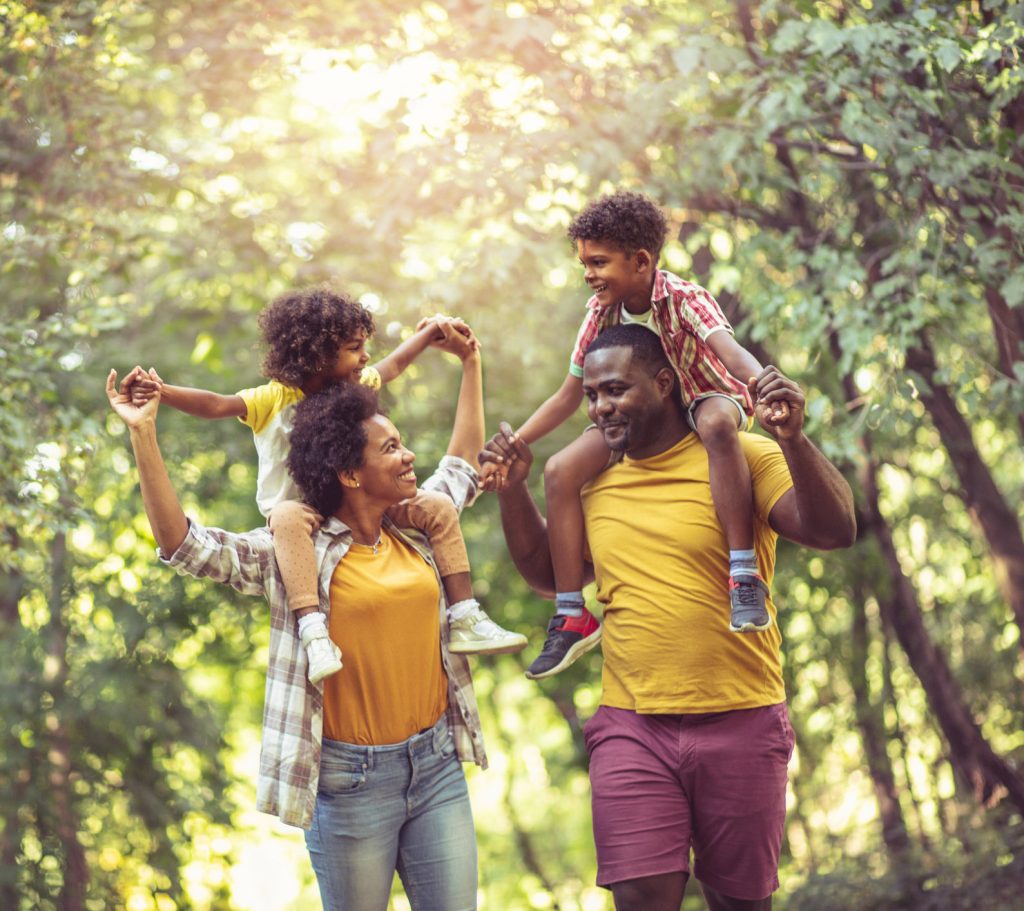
478	634
323	657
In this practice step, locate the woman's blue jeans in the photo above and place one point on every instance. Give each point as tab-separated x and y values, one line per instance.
401	807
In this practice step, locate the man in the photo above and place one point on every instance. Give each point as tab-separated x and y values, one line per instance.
690	745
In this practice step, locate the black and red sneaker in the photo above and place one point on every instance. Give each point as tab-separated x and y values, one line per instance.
568	639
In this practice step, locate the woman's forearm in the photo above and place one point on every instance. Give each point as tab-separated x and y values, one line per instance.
468	430
166	517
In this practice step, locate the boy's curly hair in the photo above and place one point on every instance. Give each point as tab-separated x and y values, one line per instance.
328	436
304	331
629	221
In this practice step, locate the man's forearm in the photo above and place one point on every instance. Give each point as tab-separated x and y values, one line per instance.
159	498
823	497
526	535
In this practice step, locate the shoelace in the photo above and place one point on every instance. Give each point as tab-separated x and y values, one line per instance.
747	594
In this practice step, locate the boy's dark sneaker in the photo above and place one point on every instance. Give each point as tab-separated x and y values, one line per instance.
747	594
568	639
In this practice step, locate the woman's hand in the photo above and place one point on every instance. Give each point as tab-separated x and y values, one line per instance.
120	397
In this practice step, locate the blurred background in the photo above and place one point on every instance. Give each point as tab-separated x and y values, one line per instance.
846	177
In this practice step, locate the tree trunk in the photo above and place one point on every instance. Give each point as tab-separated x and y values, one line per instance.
987	506
889	699
873	733
76	872
987	775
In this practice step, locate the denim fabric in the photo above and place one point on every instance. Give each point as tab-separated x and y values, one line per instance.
401	807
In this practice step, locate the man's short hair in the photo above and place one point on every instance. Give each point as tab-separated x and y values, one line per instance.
628	221
327	437
645	345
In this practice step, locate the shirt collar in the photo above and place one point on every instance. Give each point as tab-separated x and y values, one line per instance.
659	292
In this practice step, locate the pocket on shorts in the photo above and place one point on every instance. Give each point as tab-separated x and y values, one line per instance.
341	775
786	737
594	728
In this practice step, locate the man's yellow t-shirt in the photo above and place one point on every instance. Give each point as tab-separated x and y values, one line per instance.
662	567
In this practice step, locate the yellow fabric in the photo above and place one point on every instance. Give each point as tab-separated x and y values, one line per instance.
384	618
662	566
269	410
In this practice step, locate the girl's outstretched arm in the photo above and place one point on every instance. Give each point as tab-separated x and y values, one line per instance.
199	402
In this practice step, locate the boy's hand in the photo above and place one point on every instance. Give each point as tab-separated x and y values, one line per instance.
121	398
492	475
778	403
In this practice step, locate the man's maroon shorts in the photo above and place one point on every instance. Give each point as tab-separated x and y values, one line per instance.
716	782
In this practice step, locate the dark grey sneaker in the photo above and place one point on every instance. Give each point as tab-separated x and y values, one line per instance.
747	594
568	639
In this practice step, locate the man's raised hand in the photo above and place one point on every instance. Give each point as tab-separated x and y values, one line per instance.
778	403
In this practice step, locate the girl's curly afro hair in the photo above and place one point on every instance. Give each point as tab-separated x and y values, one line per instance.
327	437
628	221
305	330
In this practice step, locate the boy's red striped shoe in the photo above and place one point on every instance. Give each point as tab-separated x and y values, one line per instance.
568	639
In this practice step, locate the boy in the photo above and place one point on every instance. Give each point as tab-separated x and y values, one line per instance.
618	239
317	337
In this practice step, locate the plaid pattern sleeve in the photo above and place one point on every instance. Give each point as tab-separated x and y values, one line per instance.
590	328
457	479
293	707
289	771
686	315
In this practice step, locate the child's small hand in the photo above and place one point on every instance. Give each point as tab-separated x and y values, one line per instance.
493	476
144	386
455	337
778	403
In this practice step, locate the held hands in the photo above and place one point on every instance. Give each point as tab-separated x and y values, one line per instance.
133	406
145	386
778	403
505	460
451	334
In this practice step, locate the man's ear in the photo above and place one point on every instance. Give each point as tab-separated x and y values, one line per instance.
665	381
643	260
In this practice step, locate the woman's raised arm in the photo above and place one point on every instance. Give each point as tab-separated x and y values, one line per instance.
159	498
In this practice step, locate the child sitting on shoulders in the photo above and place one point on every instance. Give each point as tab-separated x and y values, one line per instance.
315	338
618	239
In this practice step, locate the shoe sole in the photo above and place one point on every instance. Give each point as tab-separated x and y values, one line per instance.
750	627
575	652
325	674
489	646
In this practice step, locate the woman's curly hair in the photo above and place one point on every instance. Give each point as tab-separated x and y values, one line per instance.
628	221
328	436
305	330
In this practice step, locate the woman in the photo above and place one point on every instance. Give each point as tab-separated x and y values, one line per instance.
368	761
